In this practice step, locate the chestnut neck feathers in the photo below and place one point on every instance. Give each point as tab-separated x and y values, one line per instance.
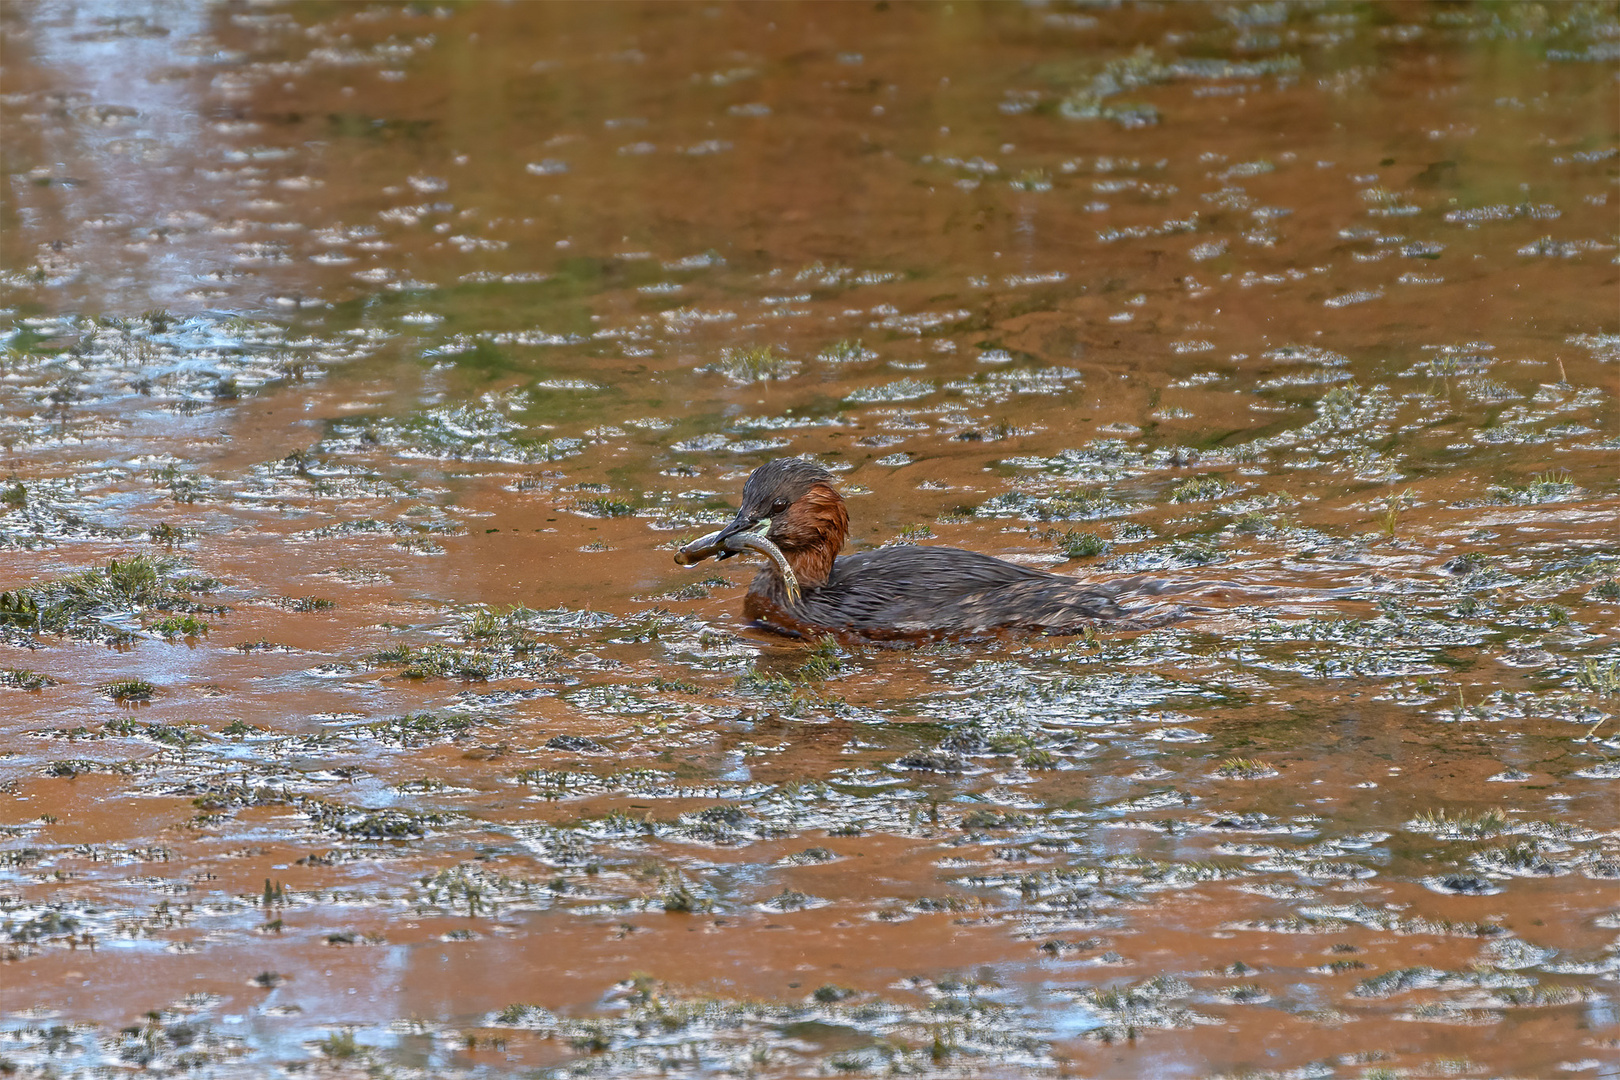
808	519
811	532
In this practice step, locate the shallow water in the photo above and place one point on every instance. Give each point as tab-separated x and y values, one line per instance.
399	346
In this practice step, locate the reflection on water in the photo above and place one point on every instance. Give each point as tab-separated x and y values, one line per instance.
365	365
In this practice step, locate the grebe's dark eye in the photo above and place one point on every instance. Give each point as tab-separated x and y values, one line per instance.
779	505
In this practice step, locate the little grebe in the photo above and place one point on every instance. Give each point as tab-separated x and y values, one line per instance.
791	514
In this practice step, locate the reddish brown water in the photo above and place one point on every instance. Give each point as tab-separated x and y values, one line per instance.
402	345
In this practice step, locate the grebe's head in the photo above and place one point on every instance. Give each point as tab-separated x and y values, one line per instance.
772	491
791	503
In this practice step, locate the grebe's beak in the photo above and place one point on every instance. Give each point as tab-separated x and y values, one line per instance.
721	544
743	534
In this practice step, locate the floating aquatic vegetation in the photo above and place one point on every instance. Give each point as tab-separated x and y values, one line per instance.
121	690
1199	488
602	506
711	442
1552	486
958	1024
901	390
847	351
79	603
364	823
417	729
1485	825
453	433
502	661
179	626
998	386
1075	505
757	363
24	679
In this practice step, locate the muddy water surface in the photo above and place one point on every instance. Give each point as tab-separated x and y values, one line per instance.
365	364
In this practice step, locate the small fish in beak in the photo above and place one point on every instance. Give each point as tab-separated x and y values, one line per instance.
738	537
